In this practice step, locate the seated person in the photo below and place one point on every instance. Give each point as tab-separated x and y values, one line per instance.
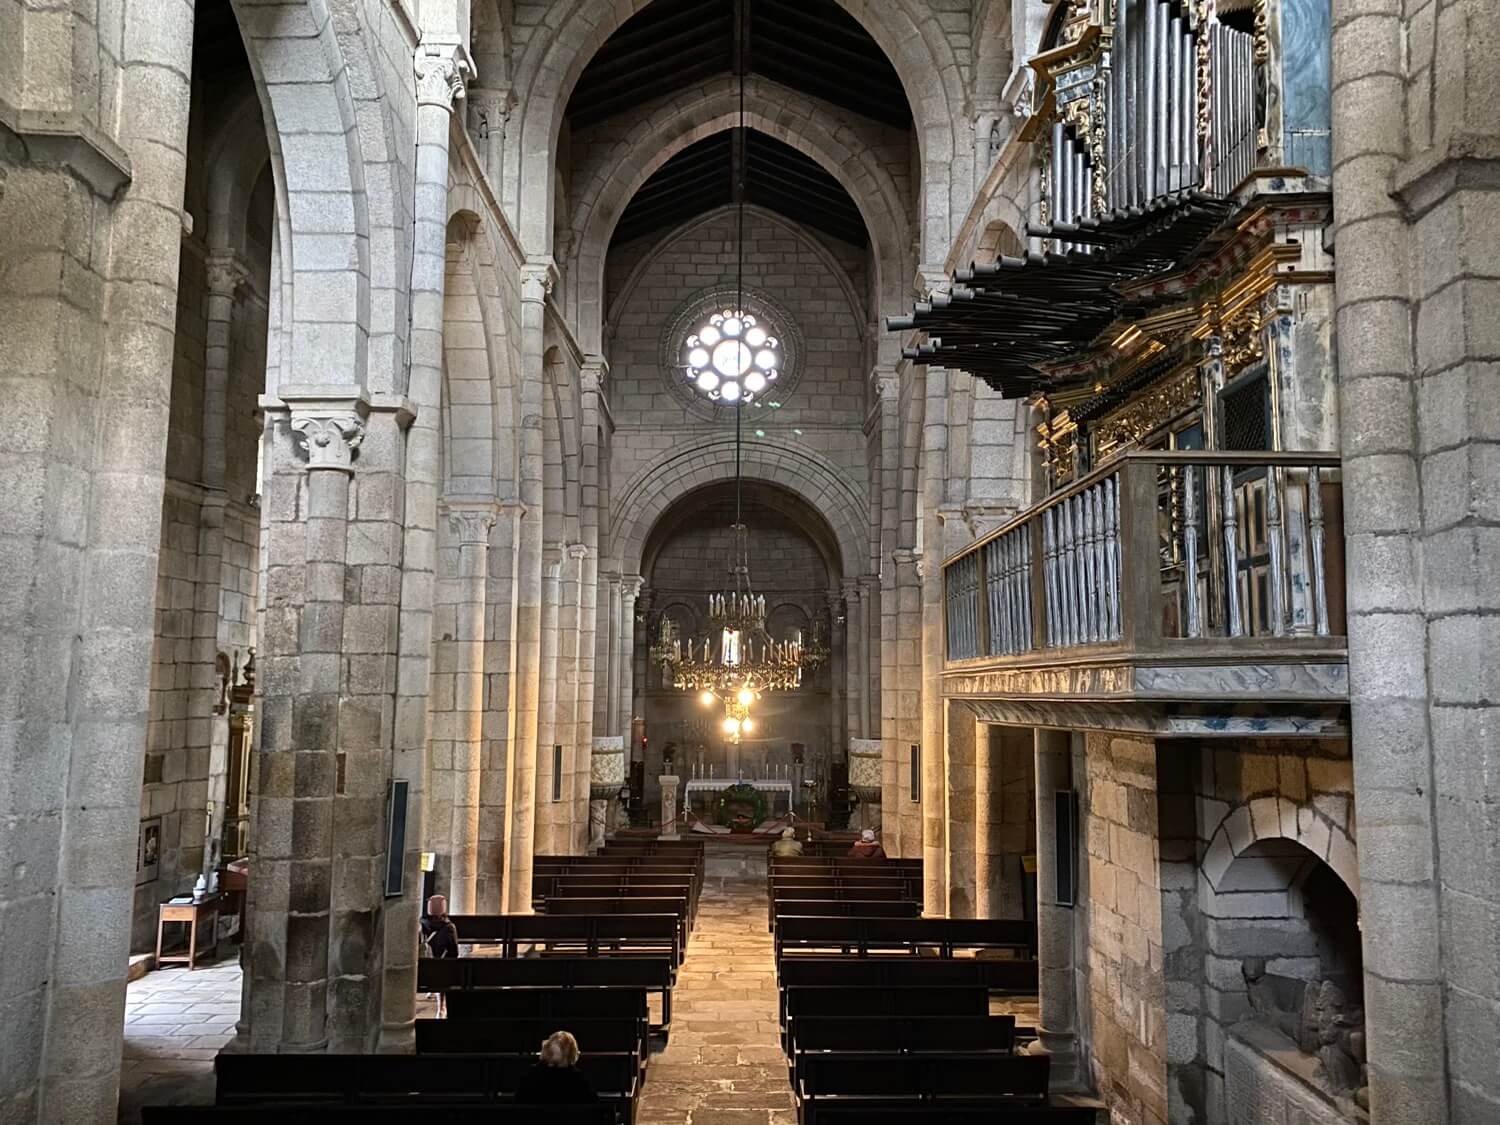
556	1079
788	844
867	847
438	932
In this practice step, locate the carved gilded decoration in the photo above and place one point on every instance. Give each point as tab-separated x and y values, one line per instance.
1148	411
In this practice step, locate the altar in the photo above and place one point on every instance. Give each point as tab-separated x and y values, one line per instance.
779	793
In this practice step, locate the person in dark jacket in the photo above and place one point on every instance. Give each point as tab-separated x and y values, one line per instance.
438	930
556	1079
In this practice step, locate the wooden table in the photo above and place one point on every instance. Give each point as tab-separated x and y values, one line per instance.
189	914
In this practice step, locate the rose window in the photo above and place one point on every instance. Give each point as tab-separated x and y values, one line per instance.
731	356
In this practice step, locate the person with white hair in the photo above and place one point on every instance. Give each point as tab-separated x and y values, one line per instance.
556	1079
788	844
867	847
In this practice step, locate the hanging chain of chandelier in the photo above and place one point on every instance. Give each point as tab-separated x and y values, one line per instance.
731	358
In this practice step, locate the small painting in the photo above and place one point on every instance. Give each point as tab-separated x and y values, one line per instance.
148	851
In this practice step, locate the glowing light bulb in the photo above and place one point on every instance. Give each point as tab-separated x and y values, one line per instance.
707	699
746	697
746	725
731	726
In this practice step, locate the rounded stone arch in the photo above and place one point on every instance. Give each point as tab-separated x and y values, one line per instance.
316	76
907	31
1253	830
846	151
998	238
235	159
812	478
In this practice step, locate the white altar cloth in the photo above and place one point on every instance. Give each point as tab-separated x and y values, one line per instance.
715	784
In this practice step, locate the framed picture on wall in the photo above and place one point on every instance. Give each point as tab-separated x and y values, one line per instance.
148	851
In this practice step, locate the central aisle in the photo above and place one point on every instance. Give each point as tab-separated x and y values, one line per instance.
723	1063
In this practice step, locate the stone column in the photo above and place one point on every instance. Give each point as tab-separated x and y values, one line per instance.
223	274
389	962
612	650
669	810
548	807
854	665
1415	138
963	731
630	589
933	477
892	559
581	740
291	908
472	526
500	710
869	601
1005	805
489	117
1056	1034
536	284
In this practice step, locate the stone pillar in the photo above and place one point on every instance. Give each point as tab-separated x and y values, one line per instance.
934	469
669	809
963	731
855	671
581	736
1005	810
489	118
1415	137
1056	1034
536	284
472	526
223	274
80	523
291	906
548	805
612	683
892	559
590	381
630	589
499	721
838	674
375	974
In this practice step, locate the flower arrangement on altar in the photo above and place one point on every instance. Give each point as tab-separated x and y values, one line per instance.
741	807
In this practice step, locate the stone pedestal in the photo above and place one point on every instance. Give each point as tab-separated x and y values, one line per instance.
669	782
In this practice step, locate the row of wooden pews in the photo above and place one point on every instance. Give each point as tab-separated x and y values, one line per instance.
612	931
886	1020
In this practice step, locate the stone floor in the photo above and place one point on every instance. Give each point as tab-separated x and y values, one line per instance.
722	1064
175	1022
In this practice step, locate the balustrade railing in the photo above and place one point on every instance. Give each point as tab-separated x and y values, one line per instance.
1156	548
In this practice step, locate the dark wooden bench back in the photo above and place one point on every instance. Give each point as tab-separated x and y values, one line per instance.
848	908
590	935
548	1003
950	1111
441	975
264	1078
912	1035
943	936
493	1113
523	1035
1022	1078
888	972
889	1003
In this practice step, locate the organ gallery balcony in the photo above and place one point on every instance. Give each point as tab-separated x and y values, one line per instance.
1182	581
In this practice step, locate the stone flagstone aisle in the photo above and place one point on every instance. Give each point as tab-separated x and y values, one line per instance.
723	1063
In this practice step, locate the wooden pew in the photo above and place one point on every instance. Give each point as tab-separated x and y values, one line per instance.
585	886
656	974
790	899
416	1080
906	972
891	1081
560	1004
598	907
914	1035
523	1035
945	937
487	1113
952	1111
611	935
848	908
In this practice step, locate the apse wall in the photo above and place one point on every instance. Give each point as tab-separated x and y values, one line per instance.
818	283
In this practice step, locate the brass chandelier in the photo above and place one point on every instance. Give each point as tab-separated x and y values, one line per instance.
738	660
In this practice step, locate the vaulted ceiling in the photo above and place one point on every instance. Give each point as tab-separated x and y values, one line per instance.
776	176
813	46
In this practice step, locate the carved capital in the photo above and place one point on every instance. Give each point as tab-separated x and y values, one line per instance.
851	590
630	585
537	279
578	551
472	525
223	273
329	440
489	112
441	72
